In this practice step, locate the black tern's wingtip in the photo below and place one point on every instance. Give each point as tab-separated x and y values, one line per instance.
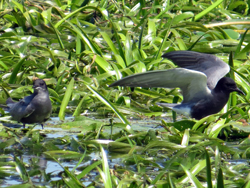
112	85
9	101
117	83
166	54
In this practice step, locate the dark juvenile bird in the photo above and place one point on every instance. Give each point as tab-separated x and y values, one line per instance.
35	108
201	79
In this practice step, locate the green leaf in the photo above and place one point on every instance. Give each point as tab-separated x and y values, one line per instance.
208	168
16	69
105	173
109	42
21	169
192	178
88	169
220	179
207	10
66	99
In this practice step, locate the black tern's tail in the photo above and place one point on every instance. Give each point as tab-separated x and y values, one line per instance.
4	107
168	105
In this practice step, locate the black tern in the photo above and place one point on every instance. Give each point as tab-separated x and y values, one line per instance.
35	108
201	79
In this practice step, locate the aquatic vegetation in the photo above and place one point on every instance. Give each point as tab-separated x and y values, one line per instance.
80	47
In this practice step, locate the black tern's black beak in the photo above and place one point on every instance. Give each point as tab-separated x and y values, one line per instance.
239	91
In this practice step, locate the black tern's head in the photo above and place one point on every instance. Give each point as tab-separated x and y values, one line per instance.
227	84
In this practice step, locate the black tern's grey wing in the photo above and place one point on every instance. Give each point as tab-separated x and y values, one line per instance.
209	64
192	83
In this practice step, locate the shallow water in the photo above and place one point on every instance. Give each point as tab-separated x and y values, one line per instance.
54	130
49	166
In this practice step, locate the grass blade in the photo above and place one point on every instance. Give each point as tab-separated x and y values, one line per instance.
105	173
16	69
208	168
21	169
207	10
192	178
220	181
66	99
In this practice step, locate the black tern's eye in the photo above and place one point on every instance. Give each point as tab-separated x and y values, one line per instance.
230	85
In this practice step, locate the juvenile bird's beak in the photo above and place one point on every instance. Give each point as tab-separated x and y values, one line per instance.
36	87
